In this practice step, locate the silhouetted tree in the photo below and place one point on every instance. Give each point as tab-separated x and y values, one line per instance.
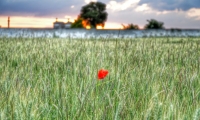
78	23
131	27
94	14
154	24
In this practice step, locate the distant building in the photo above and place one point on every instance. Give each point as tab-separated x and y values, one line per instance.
68	24
61	25
58	25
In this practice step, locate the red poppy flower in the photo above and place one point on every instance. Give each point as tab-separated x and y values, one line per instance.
102	73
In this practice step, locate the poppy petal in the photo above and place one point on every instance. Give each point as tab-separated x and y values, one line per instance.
102	73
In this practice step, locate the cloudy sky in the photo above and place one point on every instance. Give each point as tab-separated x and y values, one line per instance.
42	13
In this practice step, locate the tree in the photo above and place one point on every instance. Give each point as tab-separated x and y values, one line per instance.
94	14
131	27
78	23
154	24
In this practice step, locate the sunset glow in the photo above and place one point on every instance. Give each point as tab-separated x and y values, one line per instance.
113	25
29	22
35	22
88	27
99	27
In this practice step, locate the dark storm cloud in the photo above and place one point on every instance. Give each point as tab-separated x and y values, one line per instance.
171	4
39	7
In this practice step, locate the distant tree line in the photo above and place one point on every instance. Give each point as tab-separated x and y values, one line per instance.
152	24
94	14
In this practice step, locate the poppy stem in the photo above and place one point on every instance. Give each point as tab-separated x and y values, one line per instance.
116	58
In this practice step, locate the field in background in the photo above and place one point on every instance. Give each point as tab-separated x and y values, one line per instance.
93	33
149	78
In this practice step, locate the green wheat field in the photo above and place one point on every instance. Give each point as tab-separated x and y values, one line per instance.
56	79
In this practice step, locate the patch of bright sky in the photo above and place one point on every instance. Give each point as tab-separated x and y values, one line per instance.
117	6
142	8
72	6
194	12
88	1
